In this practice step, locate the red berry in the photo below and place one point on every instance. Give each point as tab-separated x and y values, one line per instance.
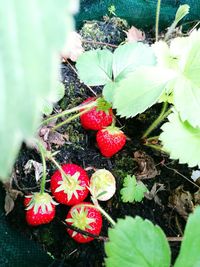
40	208
85	218
98	117
73	188
110	140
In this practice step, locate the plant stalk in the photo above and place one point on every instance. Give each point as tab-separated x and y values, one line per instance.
156	147
70	119
68	111
157	18
59	168
160	118
44	169
105	214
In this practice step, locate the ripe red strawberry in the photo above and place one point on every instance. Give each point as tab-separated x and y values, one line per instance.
98	117
40	208
73	188
85	218
110	140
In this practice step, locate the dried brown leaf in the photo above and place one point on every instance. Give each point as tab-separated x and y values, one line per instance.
34	165
152	194
181	201
146	166
49	137
134	35
11	196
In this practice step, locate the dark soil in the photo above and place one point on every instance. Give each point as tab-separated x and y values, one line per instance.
81	149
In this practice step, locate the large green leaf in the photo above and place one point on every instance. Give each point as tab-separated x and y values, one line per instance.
109	90
31	35
192	58
181	140
57	94
183	57
129	57
187	100
140	90
189	253
137	242
95	67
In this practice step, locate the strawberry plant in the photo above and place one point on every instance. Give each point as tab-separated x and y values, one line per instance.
133	77
137	76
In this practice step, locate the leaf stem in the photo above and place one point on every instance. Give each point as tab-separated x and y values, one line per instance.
157	18
152	138
44	168
160	118
156	147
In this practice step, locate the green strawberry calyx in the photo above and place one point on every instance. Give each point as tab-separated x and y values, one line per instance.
70	186
113	130
43	201
79	219
103	105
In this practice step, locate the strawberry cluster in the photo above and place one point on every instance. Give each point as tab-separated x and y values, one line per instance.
70	186
110	139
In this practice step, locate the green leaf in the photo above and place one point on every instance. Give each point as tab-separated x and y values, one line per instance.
47	108
182	11
192	58
132	190
137	242
95	67
181	140
189	253
187	101
32	34
55	96
140	90
129	57
109	91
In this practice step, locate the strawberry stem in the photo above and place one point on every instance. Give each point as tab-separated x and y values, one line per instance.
44	168
59	168
71	118
105	214
113	121
98	207
47	154
68	111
